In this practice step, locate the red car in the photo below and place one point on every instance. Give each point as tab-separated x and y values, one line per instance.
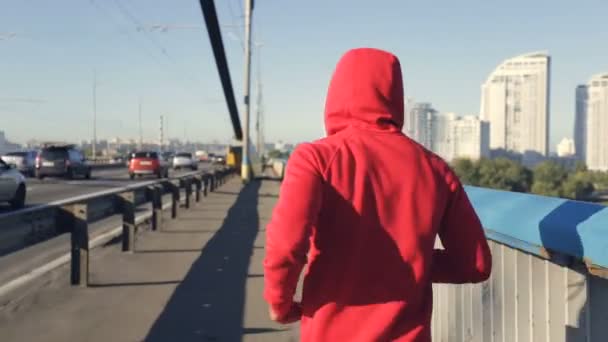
148	163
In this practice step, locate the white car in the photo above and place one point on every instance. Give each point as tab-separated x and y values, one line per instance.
185	160
12	186
24	161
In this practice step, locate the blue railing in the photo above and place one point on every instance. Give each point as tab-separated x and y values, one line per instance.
545	226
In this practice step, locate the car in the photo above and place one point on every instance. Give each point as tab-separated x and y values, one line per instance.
12	185
218	159
148	163
202	155
61	161
168	157
185	160
24	161
117	160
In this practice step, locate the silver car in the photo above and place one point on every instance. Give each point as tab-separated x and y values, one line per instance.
12	186
185	160
25	161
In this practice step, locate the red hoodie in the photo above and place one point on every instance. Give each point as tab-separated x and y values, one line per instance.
363	208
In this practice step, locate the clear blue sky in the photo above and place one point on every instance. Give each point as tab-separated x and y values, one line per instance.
447	49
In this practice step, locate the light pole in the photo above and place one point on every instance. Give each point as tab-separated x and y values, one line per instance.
245	173
94	147
161	135
259	125
141	134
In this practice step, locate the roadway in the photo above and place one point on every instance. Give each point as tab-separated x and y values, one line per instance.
54	189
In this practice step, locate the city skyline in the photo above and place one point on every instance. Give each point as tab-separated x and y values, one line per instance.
174	73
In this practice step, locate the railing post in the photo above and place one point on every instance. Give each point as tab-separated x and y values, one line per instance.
206	184
128	221
77	215
154	193
198	185
188	189
174	199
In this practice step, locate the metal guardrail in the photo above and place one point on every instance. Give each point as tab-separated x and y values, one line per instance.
549	277
562	231
74	215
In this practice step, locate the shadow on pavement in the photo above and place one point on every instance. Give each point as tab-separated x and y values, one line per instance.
208	305
235	193
193	231
147	283
168	251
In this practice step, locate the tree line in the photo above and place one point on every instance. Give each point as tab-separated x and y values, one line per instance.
547	178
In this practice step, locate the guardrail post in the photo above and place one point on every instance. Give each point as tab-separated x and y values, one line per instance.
198	184
188	189
158	206
213	182
154	194
206	184
174	199
79	271
128	221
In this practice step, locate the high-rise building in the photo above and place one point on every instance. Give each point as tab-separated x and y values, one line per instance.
460	137
566	148
449	136
580	122
442	137
418	124
471	137
593	99
515	101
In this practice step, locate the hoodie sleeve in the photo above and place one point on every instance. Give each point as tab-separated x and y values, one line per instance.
289	230
466	255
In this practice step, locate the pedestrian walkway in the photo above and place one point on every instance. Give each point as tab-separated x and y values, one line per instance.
200	279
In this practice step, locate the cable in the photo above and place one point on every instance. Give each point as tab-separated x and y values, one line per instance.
127	14
129	36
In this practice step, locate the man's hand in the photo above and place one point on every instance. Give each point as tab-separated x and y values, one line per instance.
294	314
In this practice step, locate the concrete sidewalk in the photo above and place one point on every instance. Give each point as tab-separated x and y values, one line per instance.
200	279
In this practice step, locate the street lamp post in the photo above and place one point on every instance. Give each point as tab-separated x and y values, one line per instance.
245	172
94	147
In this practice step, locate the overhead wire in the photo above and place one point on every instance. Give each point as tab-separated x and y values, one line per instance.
138	23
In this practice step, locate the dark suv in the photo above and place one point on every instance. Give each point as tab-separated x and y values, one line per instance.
61	161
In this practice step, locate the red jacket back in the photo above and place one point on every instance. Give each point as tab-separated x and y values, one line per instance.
362	208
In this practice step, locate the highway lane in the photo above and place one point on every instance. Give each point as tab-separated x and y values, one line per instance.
54	189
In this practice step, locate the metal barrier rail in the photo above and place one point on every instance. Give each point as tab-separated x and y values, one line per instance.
74	215
549	277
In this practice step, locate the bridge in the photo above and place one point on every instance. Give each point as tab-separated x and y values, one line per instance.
186	264
180	259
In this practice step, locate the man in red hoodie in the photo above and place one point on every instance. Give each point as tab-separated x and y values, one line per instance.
363	207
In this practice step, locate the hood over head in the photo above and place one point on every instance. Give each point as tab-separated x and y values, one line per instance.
365	91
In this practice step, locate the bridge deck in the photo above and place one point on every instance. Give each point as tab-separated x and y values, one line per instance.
200	279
